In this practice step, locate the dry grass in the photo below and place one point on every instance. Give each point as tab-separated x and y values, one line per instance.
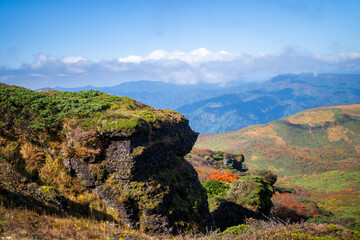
338	132
266	132
351	109
204	172
31	153
26	224
312	118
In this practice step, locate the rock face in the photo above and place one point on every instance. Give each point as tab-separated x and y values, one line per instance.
113	157
144	178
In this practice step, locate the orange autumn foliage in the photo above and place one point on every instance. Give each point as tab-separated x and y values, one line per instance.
296	205
223	176
202	149
203	172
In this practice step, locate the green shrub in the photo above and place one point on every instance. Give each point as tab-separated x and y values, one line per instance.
236	230
333	228
216	188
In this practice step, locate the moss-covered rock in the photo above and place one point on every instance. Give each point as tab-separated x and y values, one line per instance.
232	203
252	192
217	159
105	154
267	175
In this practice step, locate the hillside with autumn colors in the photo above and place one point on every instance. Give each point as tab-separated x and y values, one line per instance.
313	141
315	154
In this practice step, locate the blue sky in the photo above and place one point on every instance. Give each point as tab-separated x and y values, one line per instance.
80	42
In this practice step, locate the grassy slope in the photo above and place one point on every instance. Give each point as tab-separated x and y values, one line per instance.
313	141
334	191
316	151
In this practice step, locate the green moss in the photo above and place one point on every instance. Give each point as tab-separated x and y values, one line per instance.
284	189
219	155
252	192
50	192
308	236
333	228
137	151
236	230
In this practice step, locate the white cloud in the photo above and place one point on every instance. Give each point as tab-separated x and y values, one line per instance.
160	54
339	58
73	59
131	59
200	55
42	59
197	66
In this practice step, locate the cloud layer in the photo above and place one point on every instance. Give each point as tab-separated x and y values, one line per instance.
197	66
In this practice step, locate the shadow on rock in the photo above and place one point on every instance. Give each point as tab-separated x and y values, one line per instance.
231	214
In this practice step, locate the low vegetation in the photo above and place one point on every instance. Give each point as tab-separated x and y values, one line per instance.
315	154
42	115
335	193
17	223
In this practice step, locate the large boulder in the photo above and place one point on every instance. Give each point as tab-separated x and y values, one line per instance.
216	159
233	203
143	176
253	193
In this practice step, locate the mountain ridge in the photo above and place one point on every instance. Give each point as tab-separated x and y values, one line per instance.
210	110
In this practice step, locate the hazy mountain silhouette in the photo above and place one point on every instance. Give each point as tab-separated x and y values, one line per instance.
213	109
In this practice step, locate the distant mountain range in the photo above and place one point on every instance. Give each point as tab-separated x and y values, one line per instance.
313	141
214	109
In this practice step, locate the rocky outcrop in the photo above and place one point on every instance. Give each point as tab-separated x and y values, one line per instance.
248	197
217	159
108	157
252	192
143	177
